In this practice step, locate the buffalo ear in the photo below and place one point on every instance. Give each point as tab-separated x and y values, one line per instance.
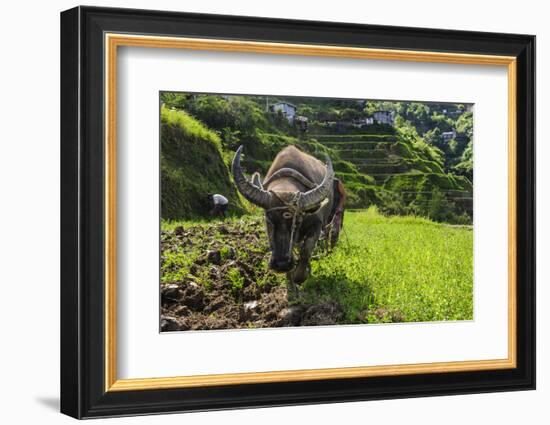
317	207
257	180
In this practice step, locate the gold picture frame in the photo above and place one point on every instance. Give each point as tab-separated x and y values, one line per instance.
114	41
91	40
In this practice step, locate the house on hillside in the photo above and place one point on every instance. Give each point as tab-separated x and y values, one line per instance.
454	111
364	121
383	117
301	123
288	110
448	135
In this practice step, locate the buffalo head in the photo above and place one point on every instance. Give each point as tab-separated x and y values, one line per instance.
287	198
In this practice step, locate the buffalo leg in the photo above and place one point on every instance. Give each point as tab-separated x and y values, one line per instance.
292	288
302	270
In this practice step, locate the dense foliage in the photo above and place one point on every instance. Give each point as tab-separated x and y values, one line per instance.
186	147
420	164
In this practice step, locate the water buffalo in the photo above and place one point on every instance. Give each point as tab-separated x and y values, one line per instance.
297	195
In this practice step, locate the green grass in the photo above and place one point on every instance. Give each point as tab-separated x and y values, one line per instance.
384	269
397	269
189	126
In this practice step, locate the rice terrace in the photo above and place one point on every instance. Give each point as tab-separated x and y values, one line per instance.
396	240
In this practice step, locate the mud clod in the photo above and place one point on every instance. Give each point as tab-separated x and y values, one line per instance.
171	293
291	316
170	323
214	257
193	297
323	314
227	284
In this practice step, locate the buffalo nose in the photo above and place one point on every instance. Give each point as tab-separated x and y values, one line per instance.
283	264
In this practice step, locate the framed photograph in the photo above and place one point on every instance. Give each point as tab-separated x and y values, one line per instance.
261	212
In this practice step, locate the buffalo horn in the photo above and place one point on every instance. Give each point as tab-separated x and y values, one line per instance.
257	196
316	195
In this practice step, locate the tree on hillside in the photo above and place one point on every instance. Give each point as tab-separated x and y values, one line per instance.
439	208
349	114
466	164
441	121
465	124
328	114
417	112
306	111
433	137
214	111
174	100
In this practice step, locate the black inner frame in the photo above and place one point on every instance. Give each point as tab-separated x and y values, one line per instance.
82	212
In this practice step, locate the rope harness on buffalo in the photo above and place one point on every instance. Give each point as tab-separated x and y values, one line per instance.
297	214
293	210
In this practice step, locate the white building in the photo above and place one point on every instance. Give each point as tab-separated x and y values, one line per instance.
287	109
383	117
301	122
448	135
364	121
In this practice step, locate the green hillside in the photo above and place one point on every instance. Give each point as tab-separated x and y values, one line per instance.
410	167
192	166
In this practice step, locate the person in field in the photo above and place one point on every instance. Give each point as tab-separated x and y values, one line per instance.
220	204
